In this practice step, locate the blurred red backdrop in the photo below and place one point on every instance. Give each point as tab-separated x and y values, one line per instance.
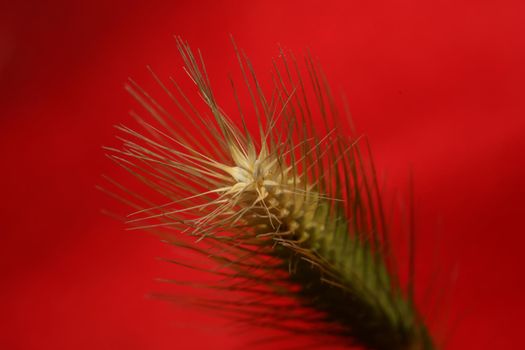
437	87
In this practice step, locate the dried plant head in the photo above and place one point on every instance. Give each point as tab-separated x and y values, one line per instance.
288	219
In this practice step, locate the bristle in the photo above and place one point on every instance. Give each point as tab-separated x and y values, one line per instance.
291	217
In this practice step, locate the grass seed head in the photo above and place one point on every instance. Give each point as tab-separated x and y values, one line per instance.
292	216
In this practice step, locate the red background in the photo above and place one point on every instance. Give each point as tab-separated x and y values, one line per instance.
437	86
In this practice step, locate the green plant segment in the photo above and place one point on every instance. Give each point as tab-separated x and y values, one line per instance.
289	216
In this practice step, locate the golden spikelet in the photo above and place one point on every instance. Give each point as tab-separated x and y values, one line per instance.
290	218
